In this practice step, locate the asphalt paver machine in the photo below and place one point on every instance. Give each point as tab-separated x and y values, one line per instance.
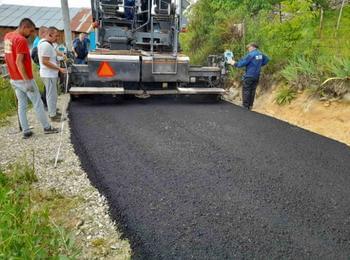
138	53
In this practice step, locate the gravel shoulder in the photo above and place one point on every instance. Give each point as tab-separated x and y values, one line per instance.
89	221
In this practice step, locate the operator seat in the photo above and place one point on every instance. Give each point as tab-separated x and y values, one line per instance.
162	7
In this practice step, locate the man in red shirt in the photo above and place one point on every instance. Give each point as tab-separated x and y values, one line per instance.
19	65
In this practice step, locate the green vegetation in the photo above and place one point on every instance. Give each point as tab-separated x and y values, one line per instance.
8	98
26	229
300	37
285	95
37	78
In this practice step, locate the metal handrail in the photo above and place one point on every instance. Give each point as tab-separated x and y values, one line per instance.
148	18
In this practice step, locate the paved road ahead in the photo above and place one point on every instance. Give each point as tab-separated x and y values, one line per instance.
213	181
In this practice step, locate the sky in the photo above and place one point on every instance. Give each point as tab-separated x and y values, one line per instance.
71	3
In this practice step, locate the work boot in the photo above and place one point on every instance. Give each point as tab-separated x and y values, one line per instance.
28	134
51	130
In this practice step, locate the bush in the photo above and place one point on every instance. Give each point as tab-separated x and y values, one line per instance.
340	68
301	73
285	95
338	82
302	53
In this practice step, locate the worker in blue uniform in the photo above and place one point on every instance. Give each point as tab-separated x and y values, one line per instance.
253	62
129	9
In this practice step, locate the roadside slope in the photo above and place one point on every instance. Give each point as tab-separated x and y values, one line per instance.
328	118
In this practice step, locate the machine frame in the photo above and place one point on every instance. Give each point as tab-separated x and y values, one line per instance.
138	53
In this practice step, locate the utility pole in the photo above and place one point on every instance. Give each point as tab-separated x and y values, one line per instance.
66	22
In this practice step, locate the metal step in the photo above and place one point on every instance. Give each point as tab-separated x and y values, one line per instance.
162	92
90	90
200	69
152	92
190	91
122	91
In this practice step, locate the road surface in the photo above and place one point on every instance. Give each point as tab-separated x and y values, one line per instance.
196	180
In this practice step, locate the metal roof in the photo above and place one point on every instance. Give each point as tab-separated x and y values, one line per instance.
11	15
82	21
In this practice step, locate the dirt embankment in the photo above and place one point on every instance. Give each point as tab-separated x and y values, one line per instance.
328	118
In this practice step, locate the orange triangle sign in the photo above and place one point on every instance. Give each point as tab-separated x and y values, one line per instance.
105	70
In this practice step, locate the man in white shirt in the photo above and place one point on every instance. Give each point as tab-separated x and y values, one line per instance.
49	69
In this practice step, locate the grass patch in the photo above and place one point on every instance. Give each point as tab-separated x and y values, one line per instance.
285	95
8	97
58	206
301	73
338	82
27	230
37	78
7	100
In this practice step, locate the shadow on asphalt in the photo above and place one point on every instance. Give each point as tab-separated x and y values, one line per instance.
102	100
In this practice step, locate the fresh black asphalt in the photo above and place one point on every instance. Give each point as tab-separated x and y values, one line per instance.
196	180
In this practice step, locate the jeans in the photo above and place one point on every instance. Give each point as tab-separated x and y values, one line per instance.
249	89
51	95
129	9
23	94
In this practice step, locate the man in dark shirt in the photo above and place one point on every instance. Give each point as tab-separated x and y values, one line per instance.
129	9
81	48
253	62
